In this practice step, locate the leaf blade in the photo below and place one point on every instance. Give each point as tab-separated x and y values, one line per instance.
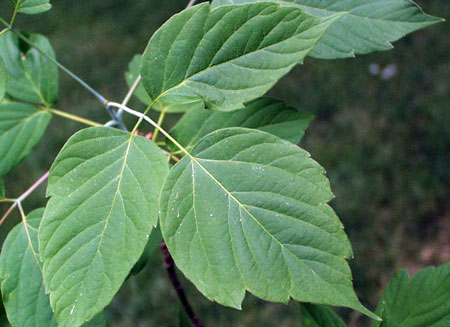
3	79
24	297
214	202
131	76
266	114
21	128
368	26
22	283
314	315
104	187
422	300
33	7
31	76
238	54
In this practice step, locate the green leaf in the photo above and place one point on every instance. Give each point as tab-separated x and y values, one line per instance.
3	79
422	300
98	321
21	128
131	75
314	315
31	76
247	210
32	7
370	25
104	188
236	54
152	246
2	189
266	114
141	94
22	286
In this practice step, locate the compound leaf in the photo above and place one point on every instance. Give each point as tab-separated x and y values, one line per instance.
141	94
422	300
314	315
31	76
104	188
266	114
236	54
370	25
247	210
22	286
21	128
3	79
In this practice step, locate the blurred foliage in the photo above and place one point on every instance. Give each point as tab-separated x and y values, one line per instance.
384	142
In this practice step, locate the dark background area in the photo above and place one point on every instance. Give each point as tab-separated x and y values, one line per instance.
385	144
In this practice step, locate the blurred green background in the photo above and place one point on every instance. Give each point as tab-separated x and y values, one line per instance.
384	142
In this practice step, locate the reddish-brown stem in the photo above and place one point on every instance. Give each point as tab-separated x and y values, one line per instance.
25	194
169	264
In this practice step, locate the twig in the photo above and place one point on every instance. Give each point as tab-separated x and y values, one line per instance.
169	264
142	116
129	94
19	200
72	117
159	122
191	3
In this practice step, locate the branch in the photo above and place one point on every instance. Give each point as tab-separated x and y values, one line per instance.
169	264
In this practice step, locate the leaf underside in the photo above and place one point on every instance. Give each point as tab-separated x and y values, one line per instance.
247	211
266	114
236	54
31	76
21	128
22	286
368	26
104	187
422	300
